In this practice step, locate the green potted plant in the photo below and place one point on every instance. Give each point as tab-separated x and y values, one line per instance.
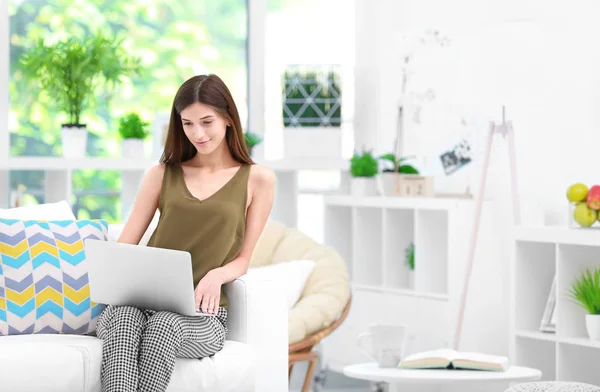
409	258
363	169
585	291
73	72
393	170
252	140
133	132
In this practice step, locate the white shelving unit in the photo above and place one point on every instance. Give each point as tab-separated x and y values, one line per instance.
58	175
58	178
371	234
541	254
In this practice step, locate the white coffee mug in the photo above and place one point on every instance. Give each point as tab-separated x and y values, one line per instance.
387	343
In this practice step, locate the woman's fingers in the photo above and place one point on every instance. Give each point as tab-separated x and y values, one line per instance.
217	302
198	301
205	300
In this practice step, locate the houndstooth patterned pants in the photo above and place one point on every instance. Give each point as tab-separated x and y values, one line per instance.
139	347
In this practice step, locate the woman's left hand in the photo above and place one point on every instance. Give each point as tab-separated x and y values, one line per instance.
208	293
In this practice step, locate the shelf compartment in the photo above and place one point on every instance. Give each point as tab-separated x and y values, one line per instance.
402	292
399	233
431	251
572	262
338	232
535	335
367	245
577	363
534	272
538	354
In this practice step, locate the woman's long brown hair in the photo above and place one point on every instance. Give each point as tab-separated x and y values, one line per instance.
212	91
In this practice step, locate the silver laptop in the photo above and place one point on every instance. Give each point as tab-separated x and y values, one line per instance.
141	276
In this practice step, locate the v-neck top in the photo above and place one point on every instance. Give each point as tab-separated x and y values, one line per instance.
211	230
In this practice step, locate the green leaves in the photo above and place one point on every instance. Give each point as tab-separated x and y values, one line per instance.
586	290
364	165
396	164
409	253
131	126
74	70
252	139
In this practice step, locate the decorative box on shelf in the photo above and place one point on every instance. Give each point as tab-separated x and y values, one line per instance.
396	184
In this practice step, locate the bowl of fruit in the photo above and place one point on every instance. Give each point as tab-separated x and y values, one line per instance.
584	205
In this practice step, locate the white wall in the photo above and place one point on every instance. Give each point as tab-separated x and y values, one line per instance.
540	59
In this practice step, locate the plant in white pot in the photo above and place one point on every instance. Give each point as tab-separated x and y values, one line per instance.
133	133
72	72
364	169
586	292
392	171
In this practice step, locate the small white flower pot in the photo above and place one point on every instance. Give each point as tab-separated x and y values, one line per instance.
388	181
363	186
133	148
258	152
592	324
74	140
312	142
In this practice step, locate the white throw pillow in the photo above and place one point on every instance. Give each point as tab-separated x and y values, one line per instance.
48	211
293	275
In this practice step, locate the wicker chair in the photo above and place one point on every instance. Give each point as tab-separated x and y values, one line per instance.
303	350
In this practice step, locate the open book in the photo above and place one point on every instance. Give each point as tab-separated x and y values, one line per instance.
450	359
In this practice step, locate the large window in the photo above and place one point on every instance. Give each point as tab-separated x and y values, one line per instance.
175	39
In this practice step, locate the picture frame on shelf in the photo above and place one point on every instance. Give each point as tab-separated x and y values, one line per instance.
548	323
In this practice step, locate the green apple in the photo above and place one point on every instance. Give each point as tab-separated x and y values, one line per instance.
577	192
584	215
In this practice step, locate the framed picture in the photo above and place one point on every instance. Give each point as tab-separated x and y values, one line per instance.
548	323
456	157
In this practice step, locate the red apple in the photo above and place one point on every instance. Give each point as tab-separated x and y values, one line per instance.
593	197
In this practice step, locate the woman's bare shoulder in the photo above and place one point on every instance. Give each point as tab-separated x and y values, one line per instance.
262	175
156	171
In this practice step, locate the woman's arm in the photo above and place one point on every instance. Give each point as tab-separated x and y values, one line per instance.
262	183
144	207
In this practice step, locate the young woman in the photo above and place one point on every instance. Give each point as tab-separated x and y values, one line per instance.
214	203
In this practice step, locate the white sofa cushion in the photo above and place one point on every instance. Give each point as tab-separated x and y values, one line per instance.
48	211
293	274
72	363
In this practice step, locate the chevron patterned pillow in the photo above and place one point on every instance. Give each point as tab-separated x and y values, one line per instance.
43	276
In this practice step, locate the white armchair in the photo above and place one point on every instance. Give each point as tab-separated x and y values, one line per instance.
254	358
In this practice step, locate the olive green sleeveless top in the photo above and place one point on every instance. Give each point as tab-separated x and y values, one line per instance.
211	230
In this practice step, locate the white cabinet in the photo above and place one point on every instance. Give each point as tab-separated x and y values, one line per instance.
372	234
541	255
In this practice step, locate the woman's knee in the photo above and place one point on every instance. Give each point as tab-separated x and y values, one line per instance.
164	322
121	317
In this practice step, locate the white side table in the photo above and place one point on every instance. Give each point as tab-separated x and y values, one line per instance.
441	380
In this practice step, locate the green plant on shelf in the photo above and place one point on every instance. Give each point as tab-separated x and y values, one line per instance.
585	291
410	256
398	165
74	71
363	165
252	139
131	126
